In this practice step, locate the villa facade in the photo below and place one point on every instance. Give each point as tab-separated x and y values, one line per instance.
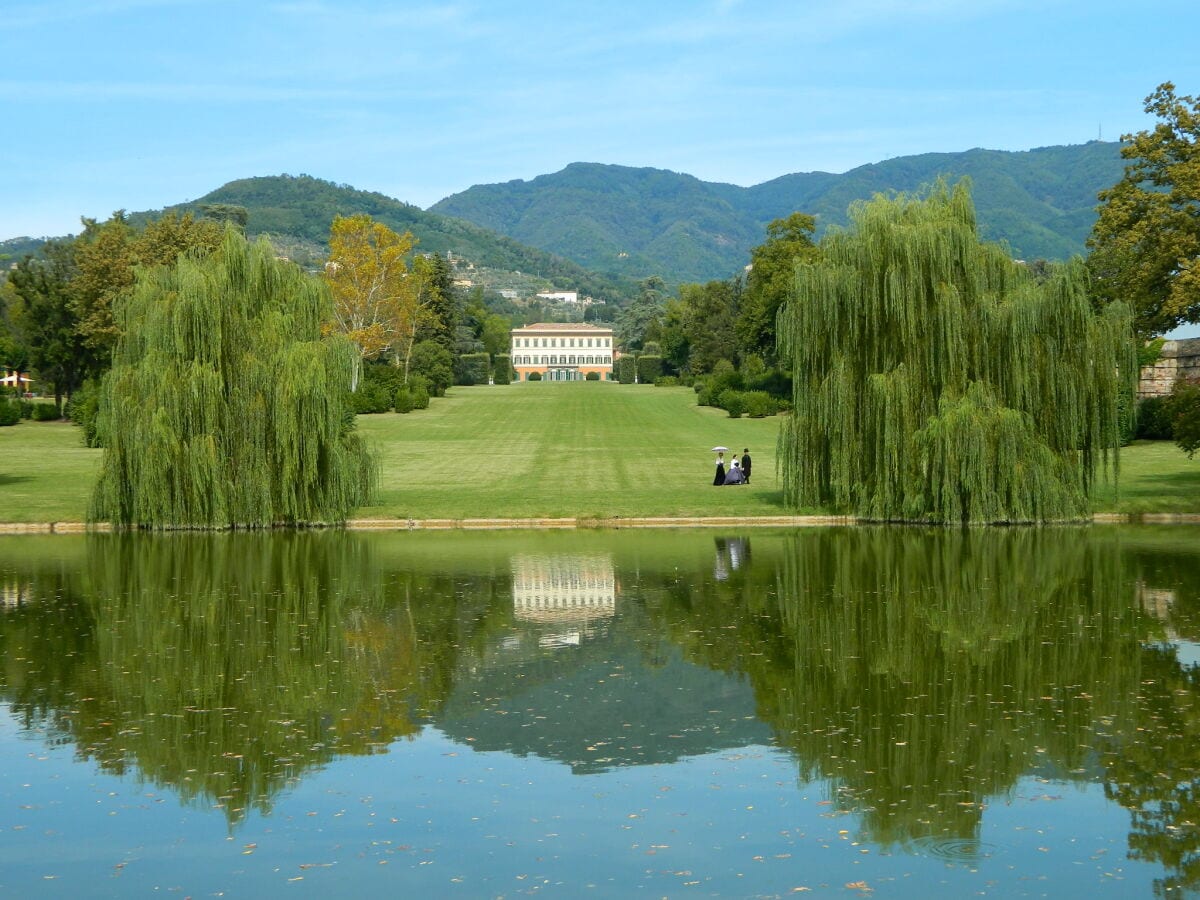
562	351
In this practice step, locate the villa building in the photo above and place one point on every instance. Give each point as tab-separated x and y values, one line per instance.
562	351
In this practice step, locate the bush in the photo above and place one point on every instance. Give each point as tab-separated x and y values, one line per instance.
1154	419
371	397
776	383
404	401
732	402
10	412
45	412
433	361
758	404
649	368
1184	405
592	376
418	386
534	376
471	368
502	370
666	381
82	409
625	368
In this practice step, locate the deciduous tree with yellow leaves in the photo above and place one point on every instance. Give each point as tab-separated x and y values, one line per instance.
379	299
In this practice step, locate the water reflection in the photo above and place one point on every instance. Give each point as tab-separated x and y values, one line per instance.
916	676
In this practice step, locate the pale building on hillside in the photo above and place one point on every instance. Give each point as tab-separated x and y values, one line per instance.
562	351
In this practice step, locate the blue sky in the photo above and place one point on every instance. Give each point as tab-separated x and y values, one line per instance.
137	104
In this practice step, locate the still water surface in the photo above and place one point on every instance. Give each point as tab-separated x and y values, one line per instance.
851	712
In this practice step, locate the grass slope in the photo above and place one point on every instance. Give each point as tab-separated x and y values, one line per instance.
578	450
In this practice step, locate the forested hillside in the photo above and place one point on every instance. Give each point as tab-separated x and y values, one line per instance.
637	222
301	208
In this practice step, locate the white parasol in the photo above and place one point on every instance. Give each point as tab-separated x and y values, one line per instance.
720	449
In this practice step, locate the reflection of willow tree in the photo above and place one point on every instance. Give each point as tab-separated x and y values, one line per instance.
1153	767
223	666
924	672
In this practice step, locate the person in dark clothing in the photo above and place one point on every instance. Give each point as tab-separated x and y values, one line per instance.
746	464
720	476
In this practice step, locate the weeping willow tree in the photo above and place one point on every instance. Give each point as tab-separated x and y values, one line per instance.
937	380
225	406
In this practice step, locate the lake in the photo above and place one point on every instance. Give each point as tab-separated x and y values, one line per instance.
894	712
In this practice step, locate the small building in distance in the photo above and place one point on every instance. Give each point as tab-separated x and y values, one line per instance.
559	296
562	351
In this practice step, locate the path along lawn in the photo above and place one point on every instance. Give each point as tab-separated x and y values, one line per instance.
576	450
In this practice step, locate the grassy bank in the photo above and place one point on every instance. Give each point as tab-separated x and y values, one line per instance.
578	450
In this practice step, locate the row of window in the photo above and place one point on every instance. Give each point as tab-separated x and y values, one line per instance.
554	342
562	360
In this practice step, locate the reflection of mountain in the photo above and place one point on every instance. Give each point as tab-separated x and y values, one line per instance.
619	696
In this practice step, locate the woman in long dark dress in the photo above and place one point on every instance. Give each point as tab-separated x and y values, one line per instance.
720	476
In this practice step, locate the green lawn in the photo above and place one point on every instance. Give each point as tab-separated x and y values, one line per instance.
577	450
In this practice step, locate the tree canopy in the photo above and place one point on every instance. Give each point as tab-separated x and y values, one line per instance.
225	406
1146	241
936	380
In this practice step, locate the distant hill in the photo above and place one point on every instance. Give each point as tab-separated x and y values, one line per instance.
301	208
633	222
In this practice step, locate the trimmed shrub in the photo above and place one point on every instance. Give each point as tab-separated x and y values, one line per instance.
10	412
592	376
732	402
626	368
471	368
502	370
757	404
371	397
1154	419
666	381
534	376
649	368
420	396
404	401
45	412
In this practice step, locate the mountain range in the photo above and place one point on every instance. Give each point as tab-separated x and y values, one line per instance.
635	222
599	228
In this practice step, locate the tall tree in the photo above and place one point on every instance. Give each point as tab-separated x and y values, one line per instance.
47	320
710	313
378	303
1146	240
640	320
225	407
769	281
936	380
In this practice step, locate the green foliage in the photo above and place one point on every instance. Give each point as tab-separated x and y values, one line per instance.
1184	406
636	222
666	381
471	368
1154	421
769	283
732	402
419	393
502	370
759	404
936	380
45	412
83	409
1146	241
709	314
371	398
534	376
625	368
224	406
592	376
10	411
649	368
434	363
405	402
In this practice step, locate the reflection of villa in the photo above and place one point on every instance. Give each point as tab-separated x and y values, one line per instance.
562	351
573	589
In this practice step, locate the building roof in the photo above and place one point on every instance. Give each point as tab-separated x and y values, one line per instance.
564	326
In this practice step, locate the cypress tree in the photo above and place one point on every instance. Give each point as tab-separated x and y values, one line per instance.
937	381
225	406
